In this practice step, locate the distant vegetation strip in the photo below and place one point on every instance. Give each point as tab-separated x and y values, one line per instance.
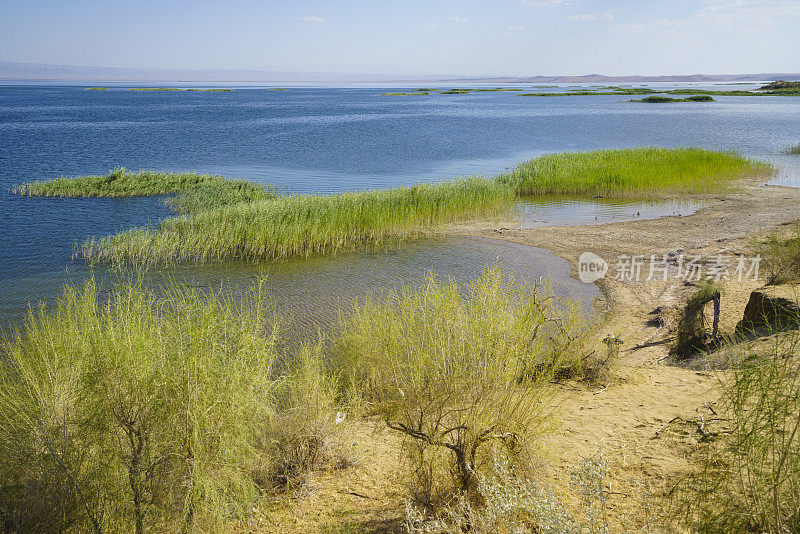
213	90
454	91
655	99
96	89
780	88
633	172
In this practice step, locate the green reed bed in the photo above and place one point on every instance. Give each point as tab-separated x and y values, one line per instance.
96	89
117	183
229	219
195	191
633	172
303	225
772	89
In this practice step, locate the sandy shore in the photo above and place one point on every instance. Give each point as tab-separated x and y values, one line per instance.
644	420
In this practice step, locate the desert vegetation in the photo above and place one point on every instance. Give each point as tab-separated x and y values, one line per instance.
748	471
460	373
781	255
142	411
151	409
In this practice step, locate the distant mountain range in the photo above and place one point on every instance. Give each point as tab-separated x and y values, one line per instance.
46	72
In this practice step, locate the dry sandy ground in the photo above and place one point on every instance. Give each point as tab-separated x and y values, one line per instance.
630	418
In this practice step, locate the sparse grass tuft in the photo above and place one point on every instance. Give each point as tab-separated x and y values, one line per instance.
781	256
794	150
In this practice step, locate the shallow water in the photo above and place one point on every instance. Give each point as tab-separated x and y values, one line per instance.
569	211
324	140
310	293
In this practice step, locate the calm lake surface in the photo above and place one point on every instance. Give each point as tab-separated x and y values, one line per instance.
325	140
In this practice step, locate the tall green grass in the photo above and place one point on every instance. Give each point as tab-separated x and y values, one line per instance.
228	219
633	172
794	150
196	191
302	225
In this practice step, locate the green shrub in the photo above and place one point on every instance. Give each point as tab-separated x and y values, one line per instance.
145	412
459	372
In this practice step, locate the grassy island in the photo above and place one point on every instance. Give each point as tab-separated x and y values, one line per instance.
234	219
655	99
96	89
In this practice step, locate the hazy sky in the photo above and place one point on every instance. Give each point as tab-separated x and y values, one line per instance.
500	37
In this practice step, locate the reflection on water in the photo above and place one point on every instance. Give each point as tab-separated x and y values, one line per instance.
570	211
310	293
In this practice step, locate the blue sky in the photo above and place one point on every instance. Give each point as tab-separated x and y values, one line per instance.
466	37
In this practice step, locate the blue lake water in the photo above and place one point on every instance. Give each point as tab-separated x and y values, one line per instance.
324	140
